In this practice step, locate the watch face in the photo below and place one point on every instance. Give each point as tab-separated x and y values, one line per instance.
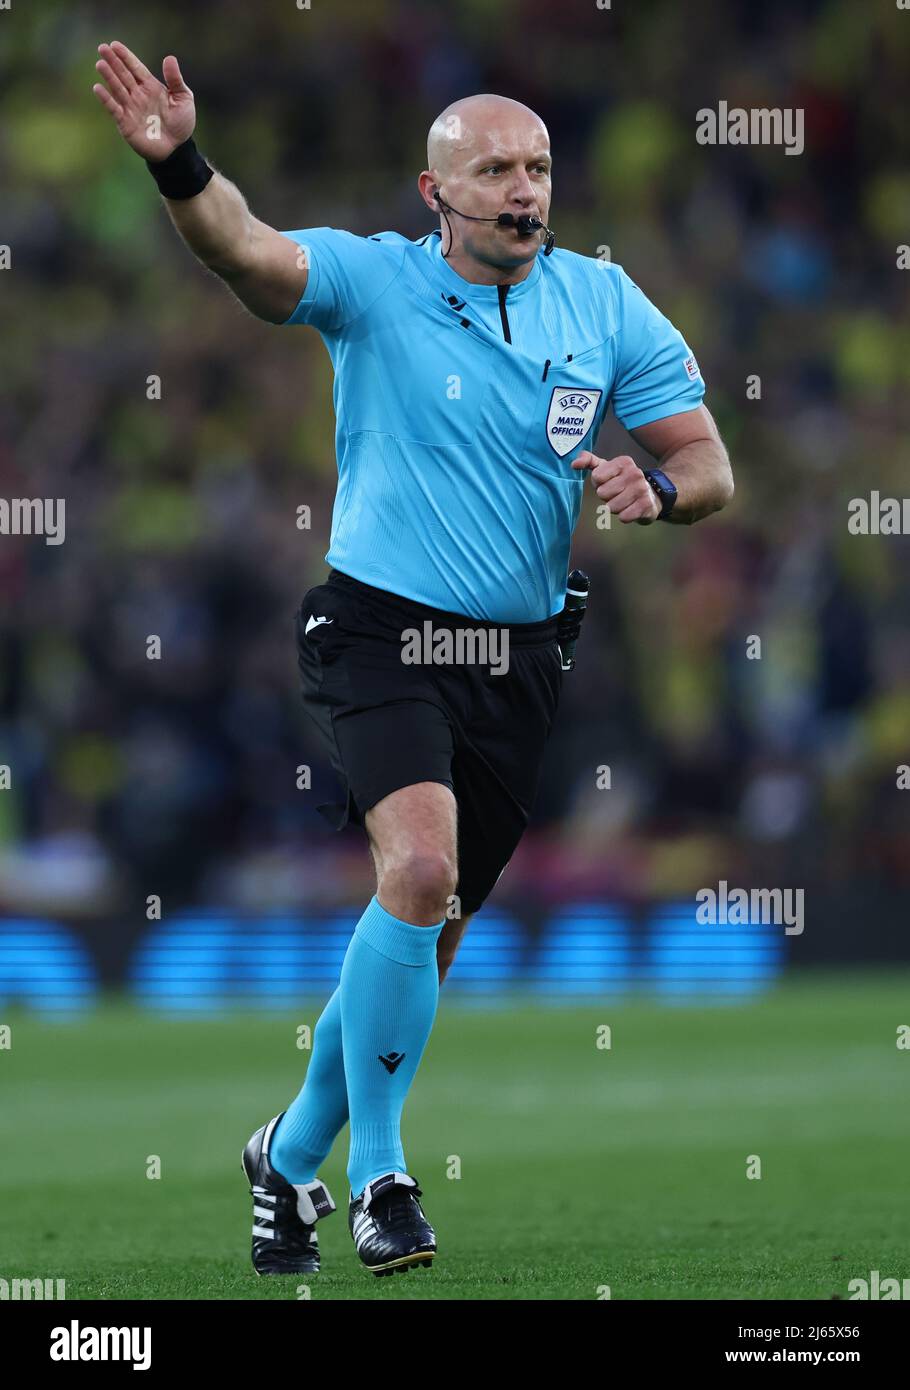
665	491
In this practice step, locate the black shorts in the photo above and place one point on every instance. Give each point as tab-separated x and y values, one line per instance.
387	724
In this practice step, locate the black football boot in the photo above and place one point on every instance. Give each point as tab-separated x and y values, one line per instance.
284	1213
388	1225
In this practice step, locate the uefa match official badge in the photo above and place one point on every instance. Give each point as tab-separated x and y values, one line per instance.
570	416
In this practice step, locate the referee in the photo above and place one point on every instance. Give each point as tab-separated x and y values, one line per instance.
473	369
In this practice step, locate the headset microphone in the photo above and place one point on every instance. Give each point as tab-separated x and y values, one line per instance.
526	223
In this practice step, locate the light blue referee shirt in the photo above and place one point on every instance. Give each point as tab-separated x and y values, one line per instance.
459	409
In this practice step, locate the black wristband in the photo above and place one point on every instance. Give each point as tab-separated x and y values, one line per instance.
183	174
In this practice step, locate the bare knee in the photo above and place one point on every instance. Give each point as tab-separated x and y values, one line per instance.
420	881
413	835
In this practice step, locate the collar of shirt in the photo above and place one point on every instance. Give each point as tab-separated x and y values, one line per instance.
467	289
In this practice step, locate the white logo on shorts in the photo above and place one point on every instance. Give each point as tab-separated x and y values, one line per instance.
312	622
570	416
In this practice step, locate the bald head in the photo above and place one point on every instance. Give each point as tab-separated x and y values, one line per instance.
473	125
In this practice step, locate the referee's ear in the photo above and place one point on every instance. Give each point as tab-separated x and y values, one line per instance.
431	194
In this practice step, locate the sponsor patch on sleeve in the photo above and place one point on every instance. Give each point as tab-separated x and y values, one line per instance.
691	367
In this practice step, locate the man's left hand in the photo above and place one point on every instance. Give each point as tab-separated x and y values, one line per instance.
621	484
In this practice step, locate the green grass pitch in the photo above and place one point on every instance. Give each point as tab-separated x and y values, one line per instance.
581	1167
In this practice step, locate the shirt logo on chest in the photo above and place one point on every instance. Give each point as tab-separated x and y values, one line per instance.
570	416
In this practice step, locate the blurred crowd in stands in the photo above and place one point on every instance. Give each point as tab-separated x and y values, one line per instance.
178	777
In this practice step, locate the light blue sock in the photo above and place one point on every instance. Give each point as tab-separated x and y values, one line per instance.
305	1133
389	991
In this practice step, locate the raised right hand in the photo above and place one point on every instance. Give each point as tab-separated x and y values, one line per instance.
133	97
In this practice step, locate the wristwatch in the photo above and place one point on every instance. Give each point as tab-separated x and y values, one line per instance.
666	492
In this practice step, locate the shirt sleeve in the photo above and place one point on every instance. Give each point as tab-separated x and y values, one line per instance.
656	373
345	275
